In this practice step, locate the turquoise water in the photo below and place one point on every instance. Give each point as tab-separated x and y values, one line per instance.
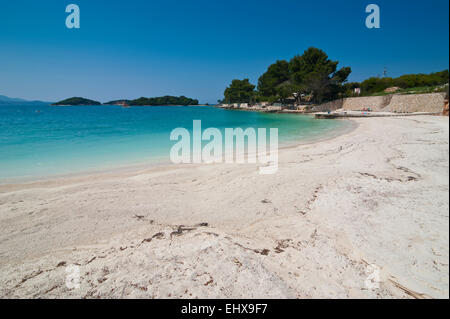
39	141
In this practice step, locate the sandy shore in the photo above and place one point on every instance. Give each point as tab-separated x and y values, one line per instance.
375	196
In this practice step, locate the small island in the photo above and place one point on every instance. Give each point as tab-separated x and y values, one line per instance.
143	101
76	101
156	101
118	102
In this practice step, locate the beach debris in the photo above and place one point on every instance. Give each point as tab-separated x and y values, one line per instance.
202	225
278	250
159	235
143	288
209	282
180	230
211	233
412	293
237	262
411	177
51	289
30	276
143	218
311	201
105	273
206	274
282	245
388	179
266	201
263	252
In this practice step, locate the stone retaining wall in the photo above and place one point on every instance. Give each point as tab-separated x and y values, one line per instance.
431	102
417	103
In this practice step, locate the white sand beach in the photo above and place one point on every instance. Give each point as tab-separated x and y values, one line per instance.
375	196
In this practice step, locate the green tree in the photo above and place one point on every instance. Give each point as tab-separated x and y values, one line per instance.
240	91
310	73
312	60
375	84
164	100
276	75
313	72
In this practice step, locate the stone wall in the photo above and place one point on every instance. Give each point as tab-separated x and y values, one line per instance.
329	106
376	103
431	102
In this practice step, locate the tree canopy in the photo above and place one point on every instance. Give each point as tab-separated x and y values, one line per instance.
314	73
311	73
239	91
277	74
376	84
163	100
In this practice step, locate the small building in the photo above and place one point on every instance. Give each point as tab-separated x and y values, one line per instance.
306	98
274	108
290	102
304	107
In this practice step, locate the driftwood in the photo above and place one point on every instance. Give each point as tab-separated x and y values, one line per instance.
412	293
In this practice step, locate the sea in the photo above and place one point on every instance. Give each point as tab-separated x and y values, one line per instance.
40	141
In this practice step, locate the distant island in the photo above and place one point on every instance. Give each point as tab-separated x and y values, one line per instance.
159	101
77	101
118	102
143	101
5	100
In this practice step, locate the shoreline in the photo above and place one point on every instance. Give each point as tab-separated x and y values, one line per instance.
377	195
352	125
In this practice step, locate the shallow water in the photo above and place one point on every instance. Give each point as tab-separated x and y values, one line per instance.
40	141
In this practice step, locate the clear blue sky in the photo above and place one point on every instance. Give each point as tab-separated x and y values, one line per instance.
133	48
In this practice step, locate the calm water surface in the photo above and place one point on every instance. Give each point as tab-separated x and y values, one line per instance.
38	141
